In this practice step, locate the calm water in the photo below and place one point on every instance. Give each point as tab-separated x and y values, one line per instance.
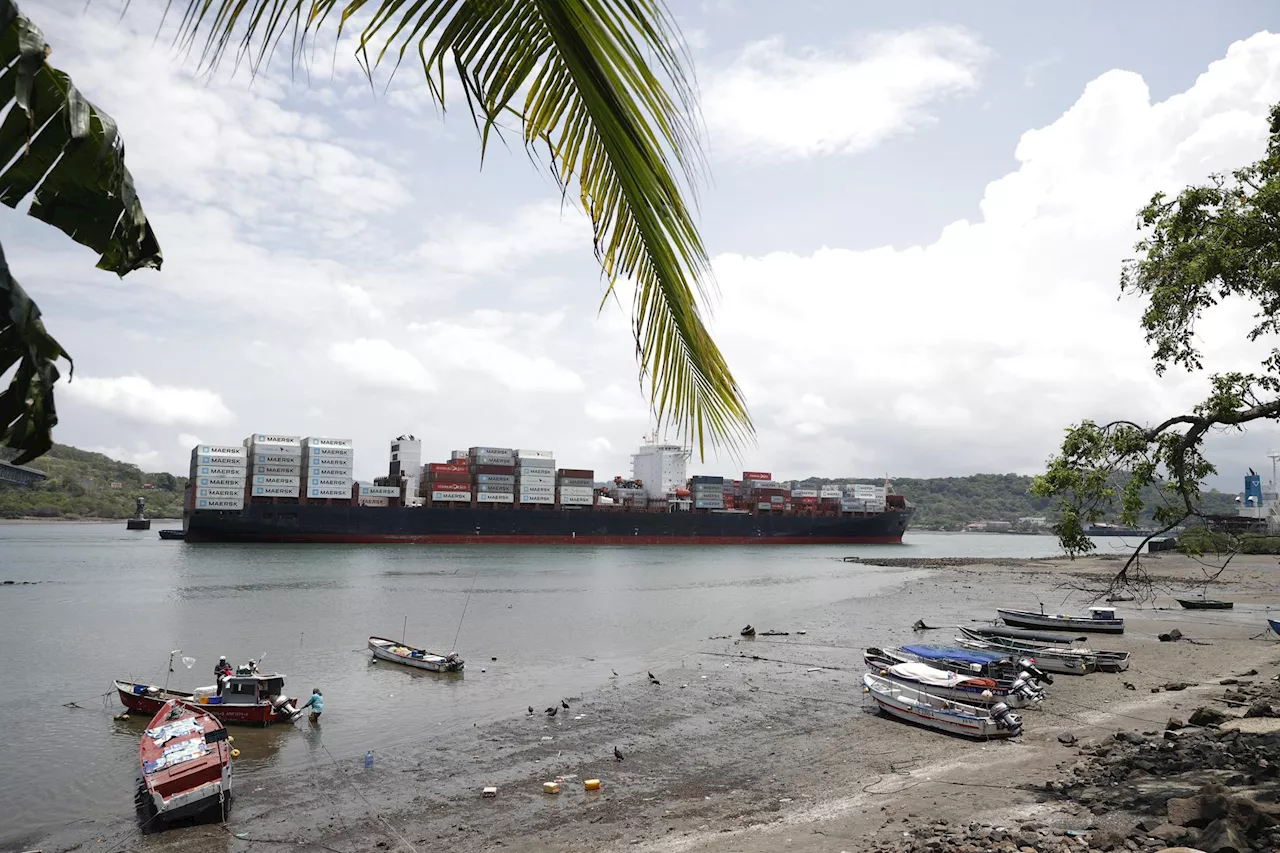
112	603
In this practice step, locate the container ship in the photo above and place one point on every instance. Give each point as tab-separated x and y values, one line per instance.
279	488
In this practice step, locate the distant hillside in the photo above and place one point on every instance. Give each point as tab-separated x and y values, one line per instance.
91	485
949	503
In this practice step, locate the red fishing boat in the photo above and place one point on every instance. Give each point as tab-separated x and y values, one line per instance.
186	761
254	699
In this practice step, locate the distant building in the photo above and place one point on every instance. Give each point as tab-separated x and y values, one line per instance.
148	485
116	484
1034	521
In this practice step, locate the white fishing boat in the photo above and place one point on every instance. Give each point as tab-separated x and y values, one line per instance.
952	685
1101	620
1108	661
1065	661
945	715
390	650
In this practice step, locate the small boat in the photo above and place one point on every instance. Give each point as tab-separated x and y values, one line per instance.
1275	625
998	640
1204	604
1002	666
172	533
945	715
1101	620
1065	661
251	700
385	649
185	761
953	685
1025	636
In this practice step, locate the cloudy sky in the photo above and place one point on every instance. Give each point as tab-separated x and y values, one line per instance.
916	220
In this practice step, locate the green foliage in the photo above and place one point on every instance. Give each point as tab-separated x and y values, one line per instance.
1212	242
66	155
80	486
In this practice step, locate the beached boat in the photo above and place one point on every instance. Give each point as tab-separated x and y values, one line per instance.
1066	661
252	700
945	715
1003	667
1204	604
1101	620
172	533
1108	661
952	685
1043	638
385	649
185	761
1275	625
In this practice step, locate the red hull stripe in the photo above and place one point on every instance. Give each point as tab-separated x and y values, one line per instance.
501	539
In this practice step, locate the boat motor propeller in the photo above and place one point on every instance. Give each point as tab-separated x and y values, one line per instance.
1024	687
1040	675
1006	719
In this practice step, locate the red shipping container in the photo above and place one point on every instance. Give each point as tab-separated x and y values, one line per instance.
446	468
450	487
756	475
493	469
808	501
576	473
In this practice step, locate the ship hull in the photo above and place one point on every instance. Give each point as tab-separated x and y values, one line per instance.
305	523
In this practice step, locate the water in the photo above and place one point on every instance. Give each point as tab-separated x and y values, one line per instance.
113	604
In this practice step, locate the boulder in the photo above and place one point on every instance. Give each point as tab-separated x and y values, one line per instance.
1222	836
1171	637
1261	709
1066	738
1207	717
1177	685
1174	724
1198	810
1170	833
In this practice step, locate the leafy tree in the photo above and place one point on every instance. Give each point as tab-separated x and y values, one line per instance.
1212	242
599	87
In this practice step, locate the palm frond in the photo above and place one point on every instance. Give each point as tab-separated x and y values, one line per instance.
615	125
66	155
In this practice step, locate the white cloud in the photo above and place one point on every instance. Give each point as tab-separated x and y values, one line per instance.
380	364
770	104
512	349
138	399
469	246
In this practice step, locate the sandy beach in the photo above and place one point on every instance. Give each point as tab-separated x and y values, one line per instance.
754	745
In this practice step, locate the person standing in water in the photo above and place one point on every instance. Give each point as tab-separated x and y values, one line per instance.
316	704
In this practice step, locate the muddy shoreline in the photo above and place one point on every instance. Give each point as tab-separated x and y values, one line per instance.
746	745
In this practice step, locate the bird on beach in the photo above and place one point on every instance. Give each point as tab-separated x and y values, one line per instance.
551	712
617	754
651	678
1128	686
564	704
654	680
530	710
615	672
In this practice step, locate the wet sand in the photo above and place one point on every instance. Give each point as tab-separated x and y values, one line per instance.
748	745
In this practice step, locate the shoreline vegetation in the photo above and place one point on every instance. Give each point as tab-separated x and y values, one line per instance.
757	745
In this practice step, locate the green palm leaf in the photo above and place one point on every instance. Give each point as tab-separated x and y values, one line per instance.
65	154
574	74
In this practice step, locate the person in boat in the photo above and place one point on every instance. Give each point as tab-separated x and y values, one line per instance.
250	668
315	703
221	670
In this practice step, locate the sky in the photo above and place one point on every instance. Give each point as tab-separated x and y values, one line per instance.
916	217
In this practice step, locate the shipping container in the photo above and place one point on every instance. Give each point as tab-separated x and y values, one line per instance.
577	500
371	500
316	443
220	503
275	450
220	492
536	481
218	471
576	491
492	459
804	493
221	482
806	500
497	488
379	491
274	459
450	486
277	470
507	479
328	492
495	497
458	495
777	499
756	475
702	478
274	491
273	480
764	506
535	454
536	490
709	504
534	465
218	450
536	499
327	471
327	453
581	482
491	451
443	468
493	469
458	456
225	461
330	483
264	438
576	473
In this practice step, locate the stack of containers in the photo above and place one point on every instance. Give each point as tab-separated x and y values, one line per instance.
447	482
859	497
755	490
575	487
804	497
535	477
368	494
218	476
830	497
731	492
493	472
328	465
708	492
275	466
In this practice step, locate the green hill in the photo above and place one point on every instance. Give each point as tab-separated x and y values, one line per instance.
91	485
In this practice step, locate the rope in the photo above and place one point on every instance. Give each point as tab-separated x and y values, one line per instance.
372	810
464	612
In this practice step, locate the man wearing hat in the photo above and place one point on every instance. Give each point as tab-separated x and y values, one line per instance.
221	669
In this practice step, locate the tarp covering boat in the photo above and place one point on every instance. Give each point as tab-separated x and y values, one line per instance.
938	652
927	675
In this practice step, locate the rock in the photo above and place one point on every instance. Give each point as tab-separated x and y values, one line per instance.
1169	833
1067	738
1261	709
1174	724
1198	810
1227	681
1221	836
1177	685
1235	696
1130	737
1179	850
1155	689
1172	637
1207	717
1107	839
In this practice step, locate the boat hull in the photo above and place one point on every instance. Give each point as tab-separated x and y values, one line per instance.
1045	660
321	523
1106	661
1192	604
1046	622
258	714
187	785
383	649
932	711
979	694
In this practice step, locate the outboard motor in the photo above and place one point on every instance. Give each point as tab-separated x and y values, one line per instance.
284	707
1023	686
1006	719
1040	675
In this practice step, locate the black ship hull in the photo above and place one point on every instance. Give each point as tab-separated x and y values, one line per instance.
542	526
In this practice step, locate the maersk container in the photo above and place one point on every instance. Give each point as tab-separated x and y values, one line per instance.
272	480
450	496
219	471
328	492
585	482
490	451
325	452
577	491
215	459
218	450
458	456
314	443
496	488
327	471
266	438
804	493
507	479
277	470
221	492
492	461
764	506
536	490
703	478
220	503
495	497
535	454
577	500
533	465
777	499
709	504
331	483
536	499
221	482
276	449
274	492
274	459
536	481
379	491
370	500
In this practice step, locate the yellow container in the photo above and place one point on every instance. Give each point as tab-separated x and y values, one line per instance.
550	787
591	784
204	700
